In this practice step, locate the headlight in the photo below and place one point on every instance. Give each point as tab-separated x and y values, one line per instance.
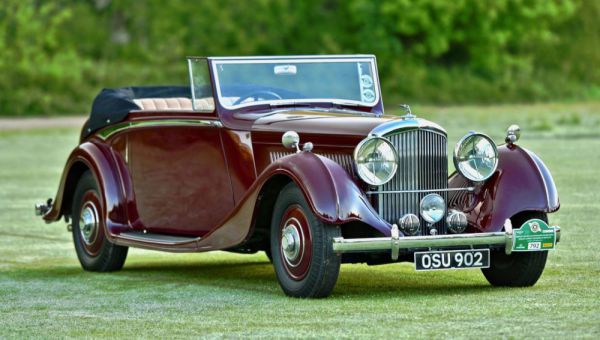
376	160
476	157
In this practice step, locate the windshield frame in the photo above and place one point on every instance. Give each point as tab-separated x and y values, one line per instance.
215	62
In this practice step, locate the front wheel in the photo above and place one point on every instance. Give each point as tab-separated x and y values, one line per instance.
301	247
519	269
93	249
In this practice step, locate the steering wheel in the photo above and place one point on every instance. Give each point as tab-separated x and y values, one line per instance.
256	95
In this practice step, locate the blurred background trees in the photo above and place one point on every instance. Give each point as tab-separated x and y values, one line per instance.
56	55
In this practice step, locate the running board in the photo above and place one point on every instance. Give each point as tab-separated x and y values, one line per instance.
155	241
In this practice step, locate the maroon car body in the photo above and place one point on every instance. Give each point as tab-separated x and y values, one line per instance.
178	179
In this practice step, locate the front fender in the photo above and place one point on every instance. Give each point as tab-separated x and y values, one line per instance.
106	167
331	193
521	183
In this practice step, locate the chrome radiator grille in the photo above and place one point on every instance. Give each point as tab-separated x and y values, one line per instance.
422	169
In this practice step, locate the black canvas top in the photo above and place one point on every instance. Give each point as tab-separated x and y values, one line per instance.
113	105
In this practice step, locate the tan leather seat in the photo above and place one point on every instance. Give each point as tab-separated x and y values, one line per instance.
174	104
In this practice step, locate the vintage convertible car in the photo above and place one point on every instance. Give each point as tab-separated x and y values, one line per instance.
295	157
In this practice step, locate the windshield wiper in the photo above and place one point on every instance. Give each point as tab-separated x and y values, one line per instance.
291	103
341	103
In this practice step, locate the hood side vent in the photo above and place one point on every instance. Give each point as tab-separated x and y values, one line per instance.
344	160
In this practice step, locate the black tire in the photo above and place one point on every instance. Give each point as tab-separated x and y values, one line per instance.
321	265
519	269
95	253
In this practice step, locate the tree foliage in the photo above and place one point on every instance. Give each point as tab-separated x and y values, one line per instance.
55	55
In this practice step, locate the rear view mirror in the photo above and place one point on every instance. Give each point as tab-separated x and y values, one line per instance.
285	70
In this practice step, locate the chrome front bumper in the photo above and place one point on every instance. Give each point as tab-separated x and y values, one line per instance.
395	242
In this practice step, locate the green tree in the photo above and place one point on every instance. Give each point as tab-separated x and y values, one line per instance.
56	55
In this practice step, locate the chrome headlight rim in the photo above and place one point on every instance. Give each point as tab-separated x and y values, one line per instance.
356	156
457	149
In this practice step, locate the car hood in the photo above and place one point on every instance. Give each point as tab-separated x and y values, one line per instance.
316	126
332	134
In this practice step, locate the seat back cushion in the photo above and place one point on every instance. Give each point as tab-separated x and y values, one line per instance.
174	104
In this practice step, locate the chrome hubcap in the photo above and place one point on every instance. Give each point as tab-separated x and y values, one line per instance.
88	223
290	243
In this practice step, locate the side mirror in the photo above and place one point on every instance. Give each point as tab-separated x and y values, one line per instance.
513	133
291	140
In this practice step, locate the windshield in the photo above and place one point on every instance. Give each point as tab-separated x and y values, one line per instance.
285	81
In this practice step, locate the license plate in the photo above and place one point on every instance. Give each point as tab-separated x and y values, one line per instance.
452	259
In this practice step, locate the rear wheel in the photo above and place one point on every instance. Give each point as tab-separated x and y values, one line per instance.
301	247
519	269
93	249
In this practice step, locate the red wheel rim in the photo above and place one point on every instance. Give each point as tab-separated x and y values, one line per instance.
295	243
91	228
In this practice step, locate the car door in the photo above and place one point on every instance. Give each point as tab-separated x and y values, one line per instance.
179	174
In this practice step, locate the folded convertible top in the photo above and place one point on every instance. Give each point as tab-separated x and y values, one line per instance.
113	105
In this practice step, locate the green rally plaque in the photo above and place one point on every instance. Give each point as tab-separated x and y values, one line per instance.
534	235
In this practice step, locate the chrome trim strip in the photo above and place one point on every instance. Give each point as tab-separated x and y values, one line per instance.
127	150
111	130
471	189
298	56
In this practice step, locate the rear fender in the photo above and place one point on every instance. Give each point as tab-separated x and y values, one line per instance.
521	183
106	167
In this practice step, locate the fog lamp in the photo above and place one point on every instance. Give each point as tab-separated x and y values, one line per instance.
433	208
409	224
457	221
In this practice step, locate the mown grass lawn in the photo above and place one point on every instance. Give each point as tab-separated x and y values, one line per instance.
44	292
